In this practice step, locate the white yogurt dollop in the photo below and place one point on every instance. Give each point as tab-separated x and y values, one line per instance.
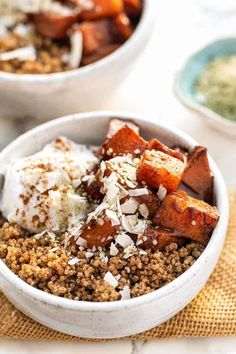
40	190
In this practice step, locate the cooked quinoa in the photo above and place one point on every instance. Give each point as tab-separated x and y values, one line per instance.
50	55
45	264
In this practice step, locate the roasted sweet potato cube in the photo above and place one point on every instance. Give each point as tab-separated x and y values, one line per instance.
151	201
116	124
190	217
101	9
157	239
93	190
96	34
99	232
125	173
158	168
190	192
133	7
52	25
165	238
125	141
155	144
92	186
99	54
123	26
197	174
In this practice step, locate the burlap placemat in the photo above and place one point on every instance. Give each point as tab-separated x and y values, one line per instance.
212	313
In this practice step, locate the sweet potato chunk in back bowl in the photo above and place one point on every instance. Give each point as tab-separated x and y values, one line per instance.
100	289
74	57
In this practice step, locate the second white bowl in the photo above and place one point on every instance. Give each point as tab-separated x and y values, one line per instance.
48	96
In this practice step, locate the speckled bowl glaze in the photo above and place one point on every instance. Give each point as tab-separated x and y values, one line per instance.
48	96
119	318
185	80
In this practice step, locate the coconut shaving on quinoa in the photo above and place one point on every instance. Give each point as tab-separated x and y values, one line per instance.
85	225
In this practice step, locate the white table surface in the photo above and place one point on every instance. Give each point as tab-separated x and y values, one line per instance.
181	27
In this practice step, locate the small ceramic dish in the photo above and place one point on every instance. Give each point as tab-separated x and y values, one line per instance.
118	318
47	96
184	86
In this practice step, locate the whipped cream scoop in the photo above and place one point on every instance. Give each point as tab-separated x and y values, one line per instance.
39	192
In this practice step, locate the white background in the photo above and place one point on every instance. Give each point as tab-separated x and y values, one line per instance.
182	26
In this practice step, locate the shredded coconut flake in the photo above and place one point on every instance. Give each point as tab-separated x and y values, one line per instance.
123	191
40	235
113	249
89	255
126	222
125	293
130	184
76	230
76	183
81	242
132	224
129	251
103	257
88	178
100	208
118	276
113	217
22	54
102	168
53	249
130	206
29	6
73	261
22	29
67	240
45	233
139	242
143	210
111	279
138	192
140	227
124	240
76	41
161	193
118	206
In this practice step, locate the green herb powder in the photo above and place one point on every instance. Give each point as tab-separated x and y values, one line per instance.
216	87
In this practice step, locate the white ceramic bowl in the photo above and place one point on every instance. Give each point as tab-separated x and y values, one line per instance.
119	318
48	96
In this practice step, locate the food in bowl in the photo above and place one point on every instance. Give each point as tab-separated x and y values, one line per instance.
107	223
215	87
47	36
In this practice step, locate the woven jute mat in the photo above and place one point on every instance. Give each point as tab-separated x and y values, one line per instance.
212	313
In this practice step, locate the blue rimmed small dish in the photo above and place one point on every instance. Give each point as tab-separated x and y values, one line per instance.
185	81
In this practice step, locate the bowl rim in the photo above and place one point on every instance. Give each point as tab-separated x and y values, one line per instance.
89	306
195	106
140	32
